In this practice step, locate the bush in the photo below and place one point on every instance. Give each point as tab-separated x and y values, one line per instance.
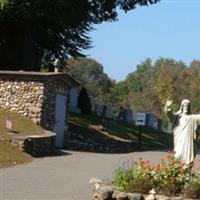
170	177
84	102
192	189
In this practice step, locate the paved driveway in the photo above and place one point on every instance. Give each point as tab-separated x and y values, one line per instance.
63	177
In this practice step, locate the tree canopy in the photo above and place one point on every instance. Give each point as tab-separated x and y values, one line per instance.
35	32
144	90
90	74
148	87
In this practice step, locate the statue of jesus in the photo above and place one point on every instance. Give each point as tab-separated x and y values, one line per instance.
185	130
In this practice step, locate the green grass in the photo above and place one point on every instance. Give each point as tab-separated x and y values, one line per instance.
92	124
21	125
10	155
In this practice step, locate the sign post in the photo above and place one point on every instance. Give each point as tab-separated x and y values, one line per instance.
140	121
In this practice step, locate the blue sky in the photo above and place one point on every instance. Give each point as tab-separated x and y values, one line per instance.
169	29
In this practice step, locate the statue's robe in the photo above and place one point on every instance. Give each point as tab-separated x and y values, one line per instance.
185	134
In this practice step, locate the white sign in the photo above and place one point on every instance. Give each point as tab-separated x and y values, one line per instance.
140	119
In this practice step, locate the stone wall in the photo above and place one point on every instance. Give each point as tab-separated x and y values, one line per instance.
80	138
36	145
23	97
51	89
32	98
105	190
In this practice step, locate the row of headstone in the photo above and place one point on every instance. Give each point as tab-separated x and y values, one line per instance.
102	110
125	115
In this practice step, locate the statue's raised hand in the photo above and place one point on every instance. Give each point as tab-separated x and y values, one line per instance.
168	104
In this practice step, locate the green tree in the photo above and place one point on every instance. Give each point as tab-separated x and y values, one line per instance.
84	102
136	90
141	78
148	87
193	86
37	31
169	80
90	74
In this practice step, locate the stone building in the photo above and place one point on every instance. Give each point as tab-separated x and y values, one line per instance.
41	96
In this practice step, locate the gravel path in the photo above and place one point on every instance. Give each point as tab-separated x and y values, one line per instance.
63	177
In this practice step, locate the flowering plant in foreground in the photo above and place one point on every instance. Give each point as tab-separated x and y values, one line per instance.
170	177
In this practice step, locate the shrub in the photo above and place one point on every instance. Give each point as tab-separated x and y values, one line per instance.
84	102
135	179
192	189
169	177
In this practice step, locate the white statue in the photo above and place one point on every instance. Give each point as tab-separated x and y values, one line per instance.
185	125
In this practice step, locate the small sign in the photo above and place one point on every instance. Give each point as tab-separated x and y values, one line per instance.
8	123
140	119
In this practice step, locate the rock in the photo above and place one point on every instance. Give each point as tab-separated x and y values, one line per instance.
122	196
106	192
115	193
137	196
7	104
162	197
96	183
102	195
151	197
34	109
95	196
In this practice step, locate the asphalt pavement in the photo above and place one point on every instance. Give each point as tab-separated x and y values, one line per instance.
66	176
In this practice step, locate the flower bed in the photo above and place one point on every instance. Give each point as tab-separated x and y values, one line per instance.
171	177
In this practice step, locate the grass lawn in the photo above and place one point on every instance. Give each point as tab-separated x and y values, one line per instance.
151	139
10	155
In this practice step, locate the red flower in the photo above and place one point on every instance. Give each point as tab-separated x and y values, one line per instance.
174	161
157	167
145	165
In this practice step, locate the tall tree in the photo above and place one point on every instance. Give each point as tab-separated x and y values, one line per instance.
36	31
193	85
136	90
140	78
90	74
169	81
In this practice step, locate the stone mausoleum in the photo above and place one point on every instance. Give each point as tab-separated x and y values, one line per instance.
41	96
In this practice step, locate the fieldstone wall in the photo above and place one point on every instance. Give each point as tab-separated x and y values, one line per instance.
51	89
105	190
32	98
80	138
23	97
36	145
